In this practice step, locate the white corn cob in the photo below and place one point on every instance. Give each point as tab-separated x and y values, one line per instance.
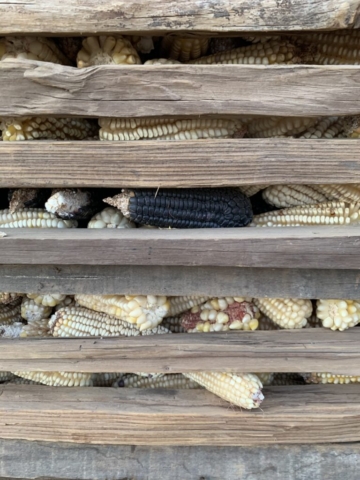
32	48
110	218
59	379
265	127
286	312
69	301
168	128
183	303
11	331
105	50
250	190
162	61
71	204
338	314
173	381
341	192
293	195
173	324
330	213
36	128
47	300
10	313
184	48
33	218
243	390
330	378
36	328
32	311
328	127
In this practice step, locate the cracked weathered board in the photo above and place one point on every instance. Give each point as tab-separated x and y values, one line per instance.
39	88
76	17
304	350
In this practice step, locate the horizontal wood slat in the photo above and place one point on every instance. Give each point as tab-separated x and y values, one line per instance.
111	16
35	88
206	163
178	280
306	350
320	247
292	415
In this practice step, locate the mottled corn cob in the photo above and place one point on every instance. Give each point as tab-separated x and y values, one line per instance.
162	61
107	51
265	323
10	313
168	128
182	304
35	128
36	328
146	312
47	300
72	204
69	301
185	208
243	390
6	297
221	314
267	53
338	314
110	218
11	331
250	190
33	48
184	48
5	376
329	127
287	379
173	381
343	193
264	127
286	312
330	213
293	195
142	44
33	218
59	379
173	324
26	198
32	311
265	378
330	378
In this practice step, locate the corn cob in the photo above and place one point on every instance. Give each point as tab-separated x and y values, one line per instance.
47	300
36	328
267	53
168	128
243	390
26	198
287	379
162	61
220	314
293	195
330	213
69	46
260	38
185	208
352	127
329	127
32	218
330	378
343	193
104	379
159	330
265	127
31	311
6	298
146	312
173	324
265	378
184	48
35	128
59	379
172	381
6	376
338	314
33	48
250	190
10	313
21	381
11	331
72	204
110	218
222	44
265	323
142	44
183	303
69	301
286	312
107	51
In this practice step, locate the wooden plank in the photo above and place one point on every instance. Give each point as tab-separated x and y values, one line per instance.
38	88
86	462
293	247
307	350
207	163
296	415
177	280
76	17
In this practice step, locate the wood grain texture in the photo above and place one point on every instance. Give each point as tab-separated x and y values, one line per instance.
315	350
38	88
70	461
291	247
296	415
111	16
205	163
178	280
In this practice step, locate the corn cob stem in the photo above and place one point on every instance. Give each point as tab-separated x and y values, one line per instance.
286	312
105	50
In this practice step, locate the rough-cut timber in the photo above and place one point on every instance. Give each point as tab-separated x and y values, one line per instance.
292	247
304	350
38	88
300	414
111	16
206	163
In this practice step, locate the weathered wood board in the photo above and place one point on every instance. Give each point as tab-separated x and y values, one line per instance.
39	88
76	17
205	163
306	350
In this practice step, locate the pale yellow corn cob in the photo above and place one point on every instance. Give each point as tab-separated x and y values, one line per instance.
267	53
32	48
146	312
250	190
162	61
47	300
33	218
338	314
59	379
5	376
286	312
184	48
142	44
69	301
265	378
173	324
36	328
341	192
10	313
243	390
329	213
183	303
329	127
265	127
36	128
167	128
32	311
265	323
287	379
105	50
330	378
173	381
293	195
11	331
110	218
6	297
104	379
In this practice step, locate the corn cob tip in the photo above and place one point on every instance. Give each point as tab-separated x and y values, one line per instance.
121	201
